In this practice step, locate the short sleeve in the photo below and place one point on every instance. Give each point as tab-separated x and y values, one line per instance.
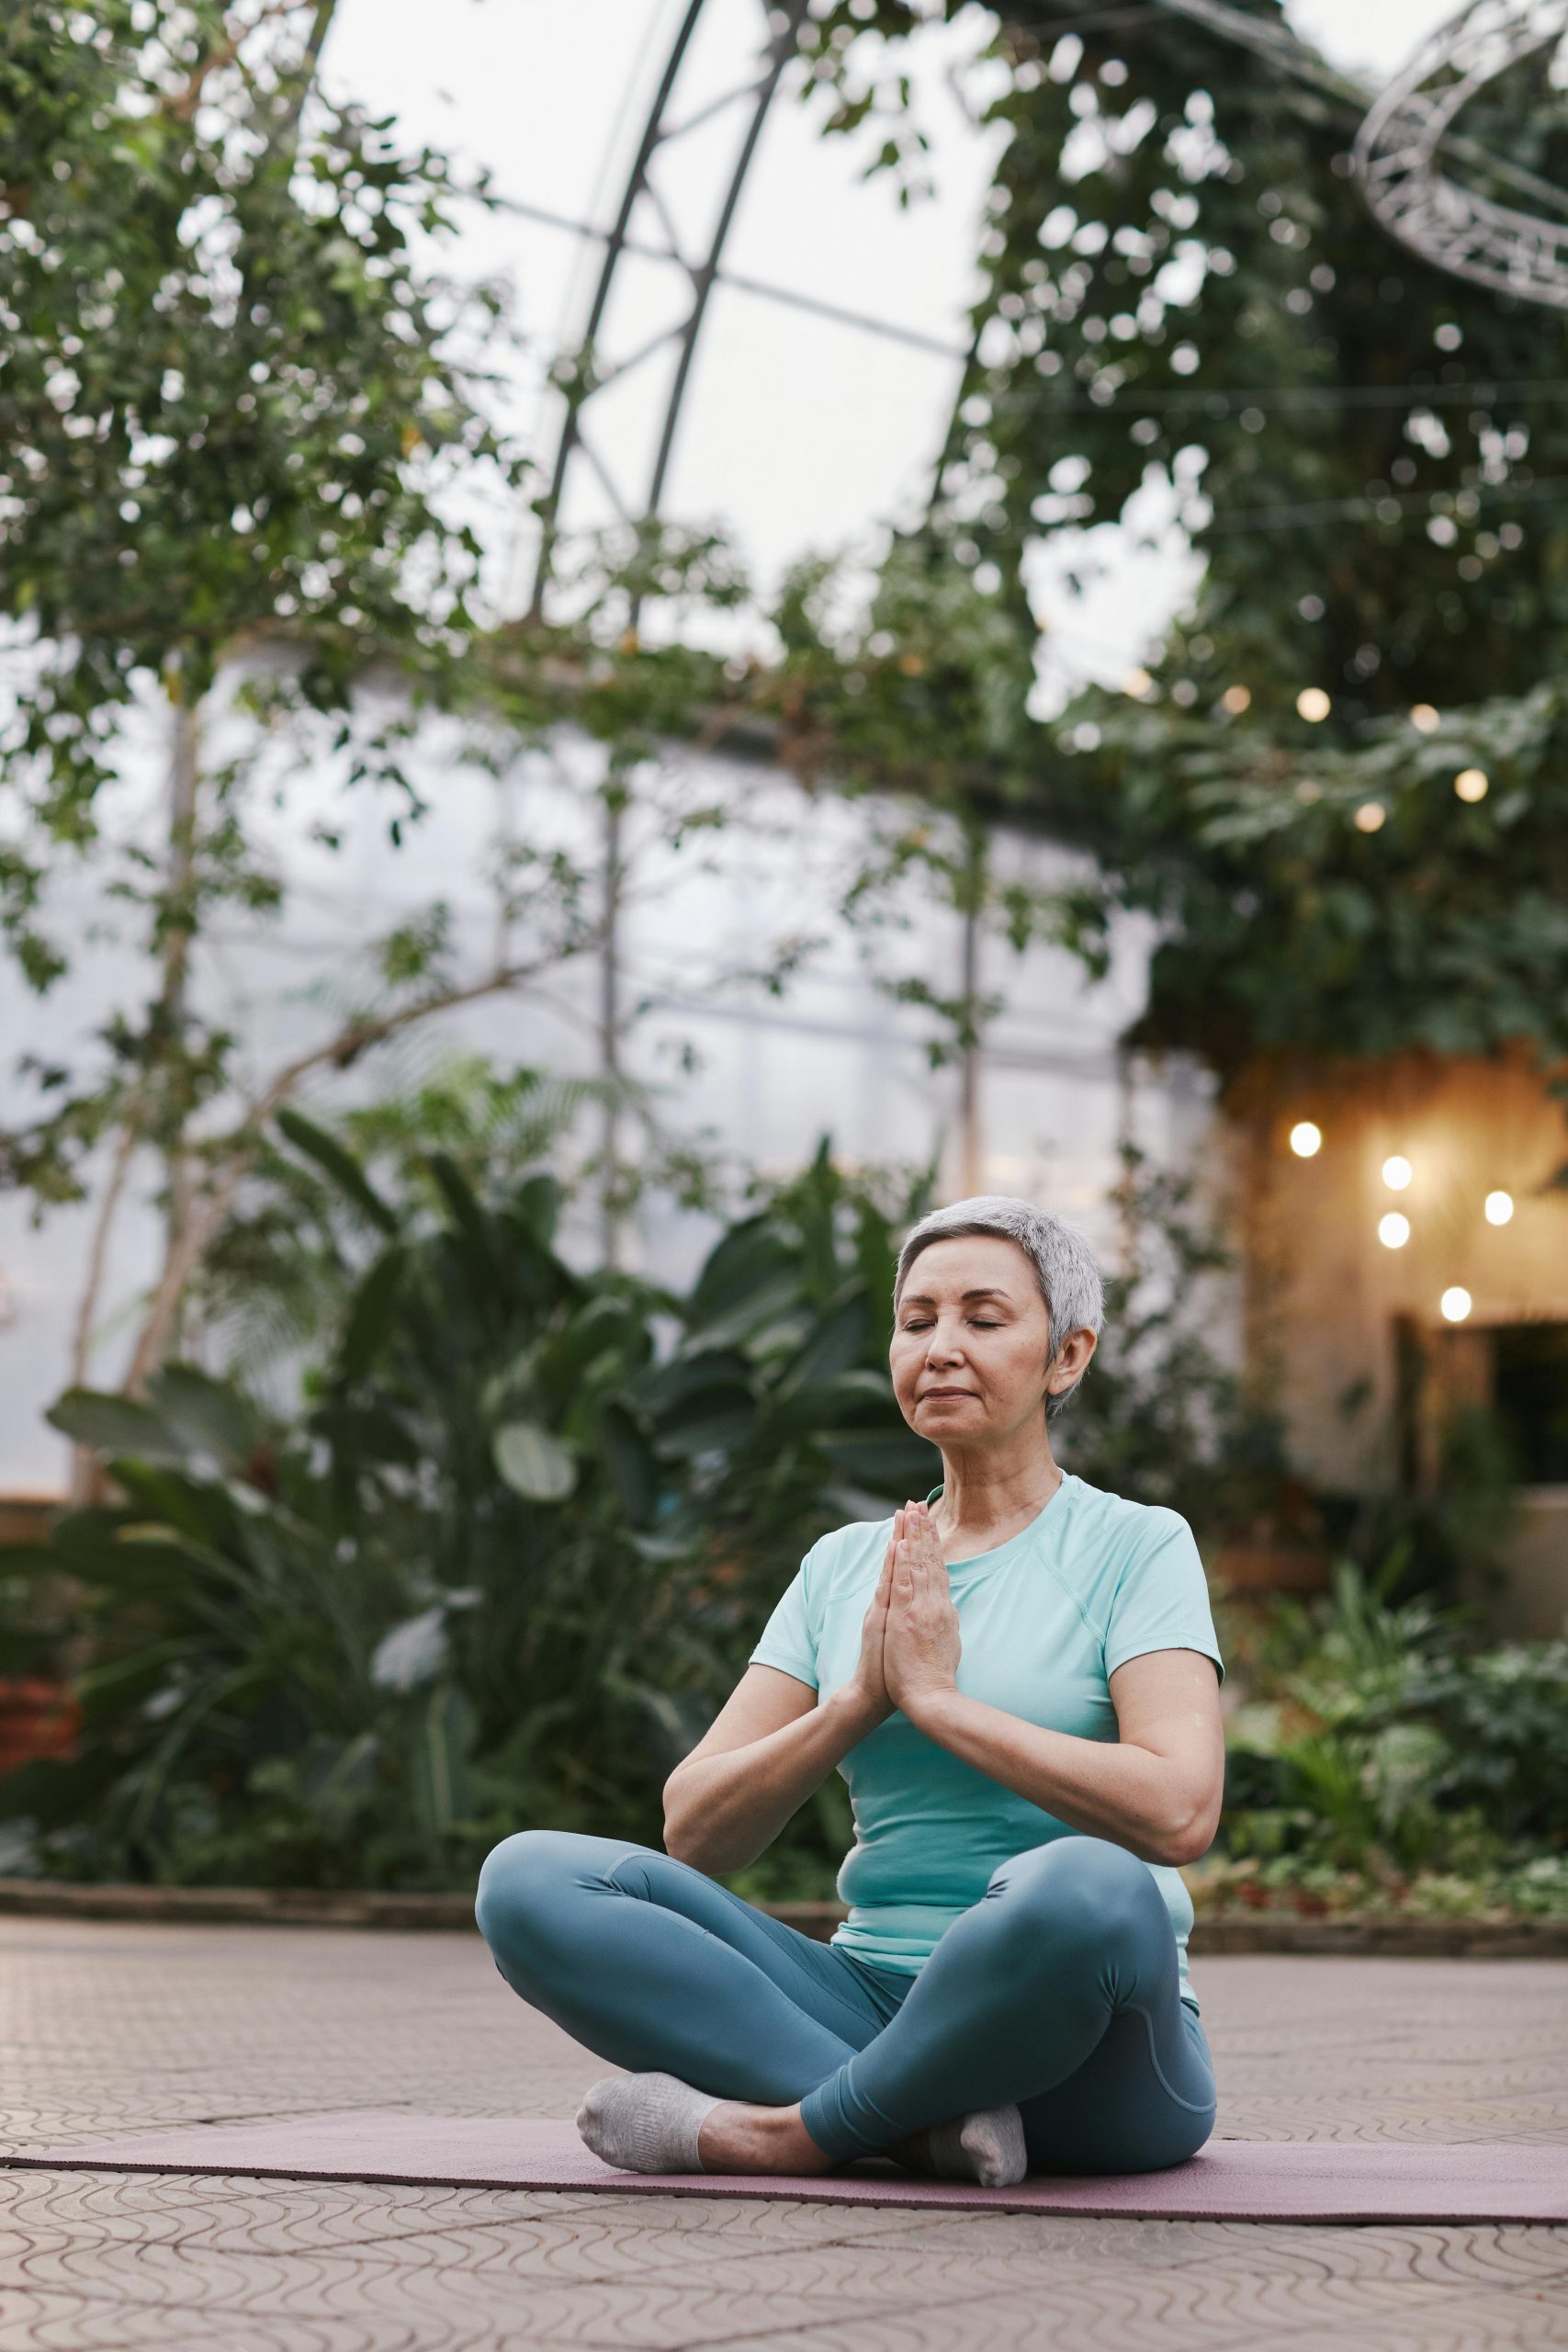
1161	1600
787	1639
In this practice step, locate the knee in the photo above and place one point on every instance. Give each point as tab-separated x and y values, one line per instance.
524	1886
1077	1889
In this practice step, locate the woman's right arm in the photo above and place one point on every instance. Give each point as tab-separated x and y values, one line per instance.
773	1742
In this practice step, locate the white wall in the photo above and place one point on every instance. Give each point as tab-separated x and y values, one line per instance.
833	1054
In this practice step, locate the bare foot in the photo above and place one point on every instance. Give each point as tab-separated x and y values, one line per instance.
737	2137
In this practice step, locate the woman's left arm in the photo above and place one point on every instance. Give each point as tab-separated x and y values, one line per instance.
1157	1789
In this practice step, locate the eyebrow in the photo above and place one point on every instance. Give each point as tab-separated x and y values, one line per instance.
924	1298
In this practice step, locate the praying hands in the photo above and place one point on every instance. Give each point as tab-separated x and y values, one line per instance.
909	1642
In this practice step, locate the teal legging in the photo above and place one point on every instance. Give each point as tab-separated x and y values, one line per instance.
1057	1989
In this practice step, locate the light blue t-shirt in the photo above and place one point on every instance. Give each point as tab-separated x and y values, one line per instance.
1045	1619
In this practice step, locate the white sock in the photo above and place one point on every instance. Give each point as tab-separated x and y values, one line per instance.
986	2146
645	2123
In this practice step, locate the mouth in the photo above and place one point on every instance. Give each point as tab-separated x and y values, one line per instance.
931	1393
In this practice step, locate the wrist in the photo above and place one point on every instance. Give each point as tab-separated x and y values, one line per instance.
930	1703
855	1709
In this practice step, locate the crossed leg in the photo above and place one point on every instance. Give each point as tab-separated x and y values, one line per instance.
1066	1969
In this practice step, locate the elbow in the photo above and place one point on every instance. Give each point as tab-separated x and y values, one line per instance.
677	1828
682	1842
681	1846
1193	1837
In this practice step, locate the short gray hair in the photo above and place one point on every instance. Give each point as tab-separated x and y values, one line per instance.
1070	1280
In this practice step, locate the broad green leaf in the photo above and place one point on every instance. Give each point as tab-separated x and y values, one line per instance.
211	1416
533	1462
114	1425
413	1653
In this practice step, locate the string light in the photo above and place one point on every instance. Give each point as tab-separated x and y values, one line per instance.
1471	784
1236	699
1499	1207
1136	682
1393	1230
1424	719
1314	704
1396	1173
1369	815
1456	1305
1306	1140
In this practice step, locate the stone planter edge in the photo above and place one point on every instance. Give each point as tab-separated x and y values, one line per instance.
286	1907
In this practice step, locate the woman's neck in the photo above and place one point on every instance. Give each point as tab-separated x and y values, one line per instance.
983	1502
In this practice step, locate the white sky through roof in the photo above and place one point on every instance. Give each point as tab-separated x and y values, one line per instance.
799	433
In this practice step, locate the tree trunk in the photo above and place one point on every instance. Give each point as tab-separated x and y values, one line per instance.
971	1139
610	1034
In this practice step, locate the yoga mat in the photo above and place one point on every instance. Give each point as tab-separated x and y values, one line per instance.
1238	2180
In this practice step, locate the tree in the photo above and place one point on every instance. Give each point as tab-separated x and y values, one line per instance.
233	406
1182	282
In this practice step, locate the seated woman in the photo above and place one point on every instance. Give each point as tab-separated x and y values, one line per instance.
1020	1681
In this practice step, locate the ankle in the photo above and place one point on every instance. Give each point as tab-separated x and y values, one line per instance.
739	2137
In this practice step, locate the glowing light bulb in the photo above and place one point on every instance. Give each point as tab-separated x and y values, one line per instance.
1393	1230
1499	1207
1396	1173
1136	682
1306	1140
1472	784
1314	704
1369	817
1456	1305
1236	699
1424	719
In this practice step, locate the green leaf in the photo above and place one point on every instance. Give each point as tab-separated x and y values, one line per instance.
834	1344
371	1312
533	1462
750	1259
538	1201
338	1163
625	1446
210	1416
891	1463
112	1424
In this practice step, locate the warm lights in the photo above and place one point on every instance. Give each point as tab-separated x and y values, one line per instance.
1314	704
1396	1173
1471	784
1393	1230
1369	815
1499	1207
1456	1305
1424	719
1136	682
1236	699
1306	1140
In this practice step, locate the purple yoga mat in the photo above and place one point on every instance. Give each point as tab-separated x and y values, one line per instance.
1236	2181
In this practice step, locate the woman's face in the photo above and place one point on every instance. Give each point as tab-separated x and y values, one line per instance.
971	1343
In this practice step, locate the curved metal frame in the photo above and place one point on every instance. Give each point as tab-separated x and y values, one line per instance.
1395	155
781	21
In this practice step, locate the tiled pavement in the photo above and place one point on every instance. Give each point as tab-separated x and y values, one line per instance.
108	2028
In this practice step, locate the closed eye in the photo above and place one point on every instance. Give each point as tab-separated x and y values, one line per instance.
979	1326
